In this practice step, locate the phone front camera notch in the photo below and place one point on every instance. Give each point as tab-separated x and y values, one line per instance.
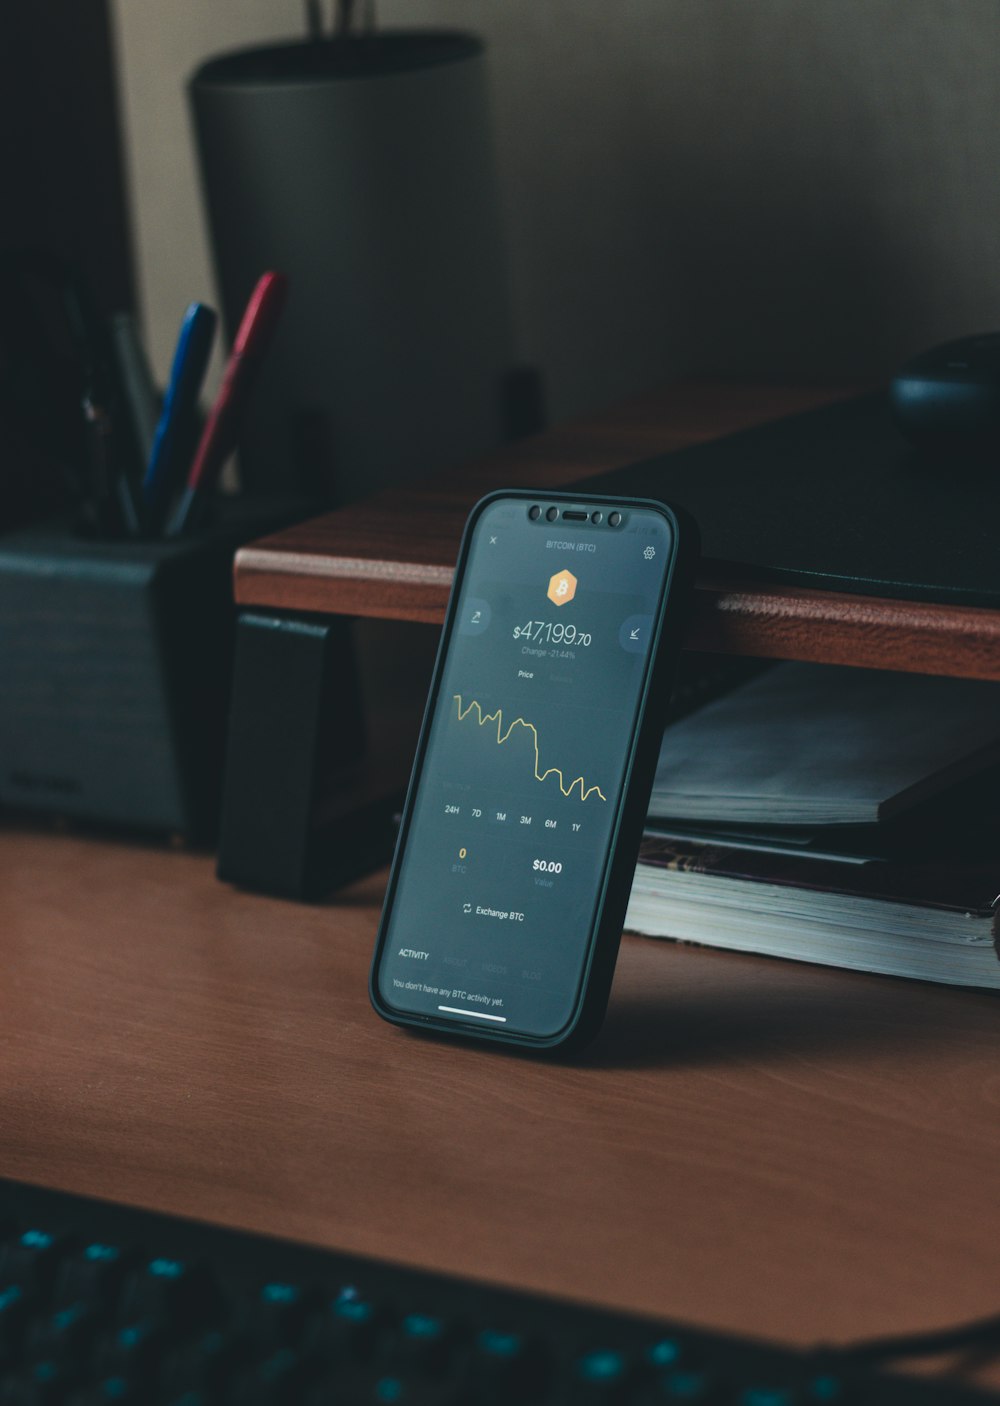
534	512
614	519
551	514
597	518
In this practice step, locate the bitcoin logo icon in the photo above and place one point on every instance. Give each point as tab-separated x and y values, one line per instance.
562	587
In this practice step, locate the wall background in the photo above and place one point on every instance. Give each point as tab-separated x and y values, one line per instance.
799	188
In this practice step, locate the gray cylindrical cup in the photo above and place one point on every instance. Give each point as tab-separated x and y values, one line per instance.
362	168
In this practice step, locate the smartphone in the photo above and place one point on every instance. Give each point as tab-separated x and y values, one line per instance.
522	822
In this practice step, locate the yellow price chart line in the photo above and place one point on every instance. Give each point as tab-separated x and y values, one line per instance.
502	736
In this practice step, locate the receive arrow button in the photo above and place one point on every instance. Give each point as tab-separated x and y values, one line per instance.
634	633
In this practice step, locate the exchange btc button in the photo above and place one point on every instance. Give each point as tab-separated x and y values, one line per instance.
634	633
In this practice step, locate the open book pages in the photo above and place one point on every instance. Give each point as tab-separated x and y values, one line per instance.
923	923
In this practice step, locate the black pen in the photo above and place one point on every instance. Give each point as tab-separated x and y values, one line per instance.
109	495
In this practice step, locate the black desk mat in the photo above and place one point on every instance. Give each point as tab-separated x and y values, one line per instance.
836	500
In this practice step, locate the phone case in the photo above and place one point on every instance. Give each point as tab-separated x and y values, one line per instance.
599	967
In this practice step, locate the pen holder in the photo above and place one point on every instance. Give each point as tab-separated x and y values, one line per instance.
115	662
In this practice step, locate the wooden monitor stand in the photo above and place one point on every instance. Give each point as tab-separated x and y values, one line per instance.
392	556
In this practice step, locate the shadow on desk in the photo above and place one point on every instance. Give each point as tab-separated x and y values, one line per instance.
763	1007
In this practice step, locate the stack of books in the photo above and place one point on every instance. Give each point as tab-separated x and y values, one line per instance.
843	816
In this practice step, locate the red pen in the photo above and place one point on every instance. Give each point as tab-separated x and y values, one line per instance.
219	437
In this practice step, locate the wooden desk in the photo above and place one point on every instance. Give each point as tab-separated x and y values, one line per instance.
392	556
755	1145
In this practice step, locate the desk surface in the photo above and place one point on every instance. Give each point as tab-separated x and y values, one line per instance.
754	1145
392	556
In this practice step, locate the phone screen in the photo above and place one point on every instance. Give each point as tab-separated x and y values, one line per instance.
498	885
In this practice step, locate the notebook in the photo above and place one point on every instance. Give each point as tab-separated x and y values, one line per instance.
815	745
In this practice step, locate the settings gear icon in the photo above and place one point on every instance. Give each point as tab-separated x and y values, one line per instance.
649	553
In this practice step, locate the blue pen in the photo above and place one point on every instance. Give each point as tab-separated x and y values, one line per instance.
174	437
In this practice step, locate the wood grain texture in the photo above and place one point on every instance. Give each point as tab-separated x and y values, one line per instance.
392	556
760	1146
826	627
